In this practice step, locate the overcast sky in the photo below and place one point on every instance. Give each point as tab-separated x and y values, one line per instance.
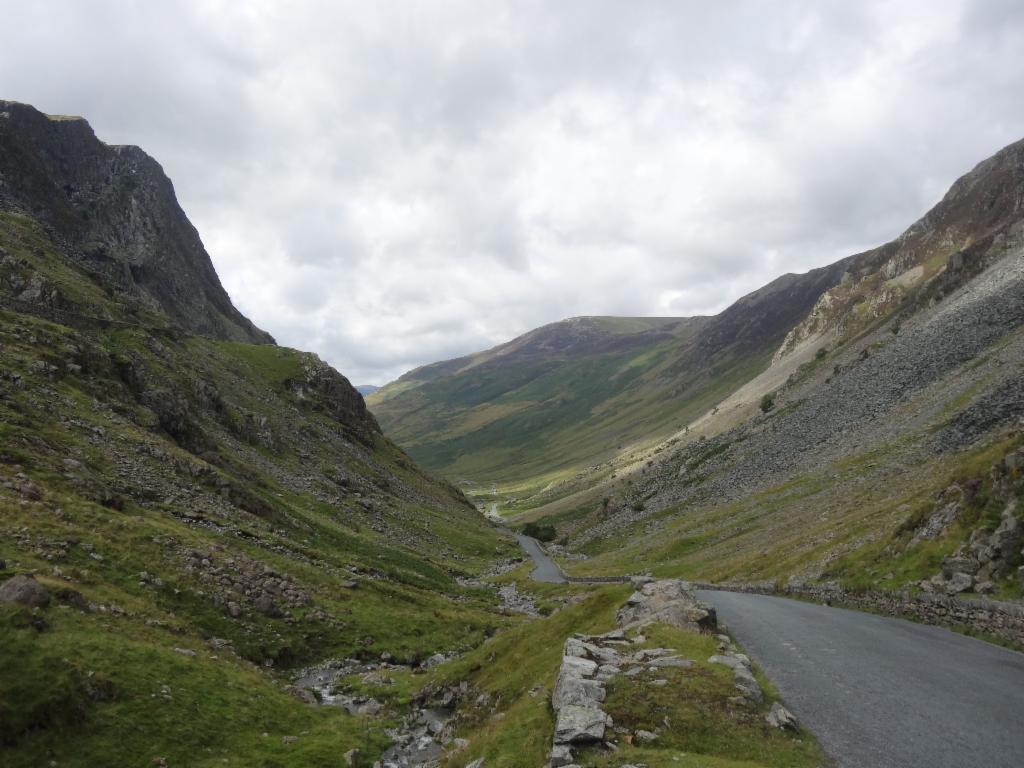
393	183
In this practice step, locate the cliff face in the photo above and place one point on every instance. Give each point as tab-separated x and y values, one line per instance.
114	212
982	209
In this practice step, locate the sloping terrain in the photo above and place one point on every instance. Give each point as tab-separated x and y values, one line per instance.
186	509
113	214
891	458
572	396
806	431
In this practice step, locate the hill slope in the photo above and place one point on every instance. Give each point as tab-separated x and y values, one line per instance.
579	395
199	506
890	459
571	395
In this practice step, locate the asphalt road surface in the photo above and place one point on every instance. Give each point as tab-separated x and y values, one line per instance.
545	569
881	692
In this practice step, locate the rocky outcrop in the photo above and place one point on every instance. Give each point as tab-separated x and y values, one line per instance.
980	207
116	212
988	555
671	602
739	663
590	661
24	590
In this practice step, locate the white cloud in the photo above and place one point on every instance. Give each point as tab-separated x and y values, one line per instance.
392	183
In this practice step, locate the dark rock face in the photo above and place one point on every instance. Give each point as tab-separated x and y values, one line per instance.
116	212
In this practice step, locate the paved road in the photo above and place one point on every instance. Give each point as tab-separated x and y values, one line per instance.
881	692
545	569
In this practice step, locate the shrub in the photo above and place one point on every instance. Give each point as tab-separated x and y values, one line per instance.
539	531
767	403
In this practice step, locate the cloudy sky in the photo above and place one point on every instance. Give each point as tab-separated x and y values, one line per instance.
394	183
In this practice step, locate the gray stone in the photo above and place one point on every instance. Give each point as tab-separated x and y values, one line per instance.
478	763
781	718
747	684
670	661
730	661
433	661
577	666
266	605
24	590
645	736
670	601
959	564
579	725
576	691
959	582
561	755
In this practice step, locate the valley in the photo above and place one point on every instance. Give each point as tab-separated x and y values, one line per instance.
214	551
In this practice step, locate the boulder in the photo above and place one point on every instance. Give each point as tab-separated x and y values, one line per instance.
561	755
781	718
579	725
576	691
24	590
670	601
578	667
266	605
959	582
747	684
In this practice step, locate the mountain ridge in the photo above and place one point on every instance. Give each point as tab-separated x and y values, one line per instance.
115	213
193	510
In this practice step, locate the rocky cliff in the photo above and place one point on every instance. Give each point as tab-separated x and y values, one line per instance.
114	213
188	510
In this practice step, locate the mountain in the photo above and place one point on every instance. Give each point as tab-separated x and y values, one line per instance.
113	213
891	459
531	414
815	429
366	389
186	507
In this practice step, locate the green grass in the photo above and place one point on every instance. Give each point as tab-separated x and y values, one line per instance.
693	716
517	670
297	493
100	690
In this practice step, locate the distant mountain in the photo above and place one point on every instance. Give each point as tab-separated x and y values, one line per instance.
366	389
817	427
574	394
893	458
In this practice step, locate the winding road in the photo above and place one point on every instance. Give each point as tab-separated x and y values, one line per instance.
881	692
544	568
878	692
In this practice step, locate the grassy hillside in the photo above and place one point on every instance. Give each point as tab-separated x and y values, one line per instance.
204	516
531	414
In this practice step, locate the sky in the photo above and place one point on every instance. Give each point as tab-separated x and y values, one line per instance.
390	184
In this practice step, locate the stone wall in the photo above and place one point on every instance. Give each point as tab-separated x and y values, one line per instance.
1001	619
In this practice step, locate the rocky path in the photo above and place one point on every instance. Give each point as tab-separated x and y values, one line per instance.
881	692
